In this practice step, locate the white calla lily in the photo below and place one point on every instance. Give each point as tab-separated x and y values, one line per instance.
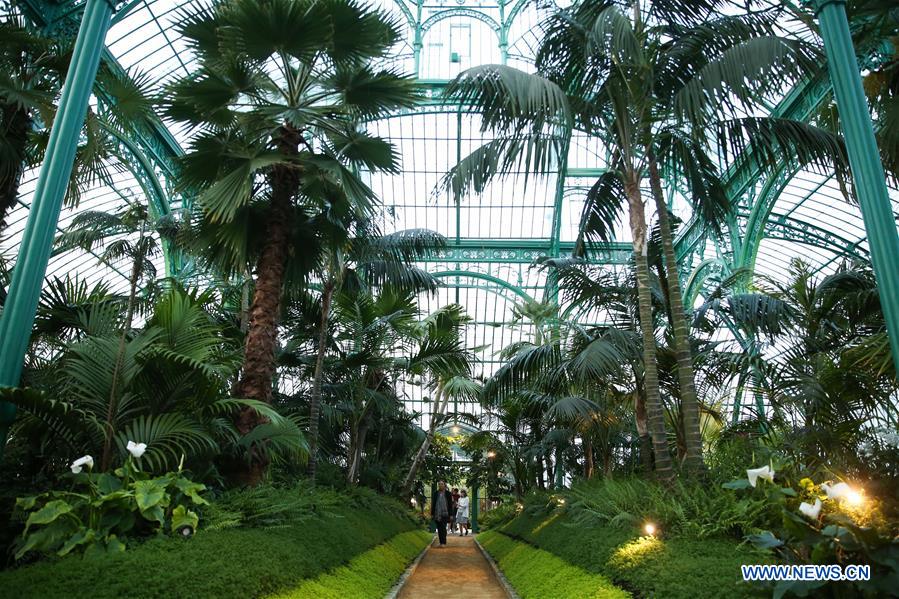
809	510
837	491
753	474
136	449
81	462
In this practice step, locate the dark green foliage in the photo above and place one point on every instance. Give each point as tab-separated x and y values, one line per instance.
268	506
498	515
537	574
238	563
667	567
101	509
690	509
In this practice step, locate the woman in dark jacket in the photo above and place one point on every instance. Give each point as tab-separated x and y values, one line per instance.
441	509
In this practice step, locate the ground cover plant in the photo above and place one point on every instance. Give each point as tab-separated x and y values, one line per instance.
370	574
535	573
588	534
297	546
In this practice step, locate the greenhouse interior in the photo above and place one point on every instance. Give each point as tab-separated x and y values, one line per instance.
409	298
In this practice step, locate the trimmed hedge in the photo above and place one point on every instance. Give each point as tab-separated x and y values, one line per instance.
369	575
674	568
538	574
238	563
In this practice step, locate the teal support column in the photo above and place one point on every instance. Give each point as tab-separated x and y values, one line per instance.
864	158
37	240
474	508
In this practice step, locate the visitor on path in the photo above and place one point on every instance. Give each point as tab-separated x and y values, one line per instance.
462	513
456	496
441	508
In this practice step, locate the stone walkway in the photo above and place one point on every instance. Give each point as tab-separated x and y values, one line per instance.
458	569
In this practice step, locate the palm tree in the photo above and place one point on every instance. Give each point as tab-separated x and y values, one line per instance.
279	93
651	80
821	354
89	229
32	71
170	390
441	357
366	259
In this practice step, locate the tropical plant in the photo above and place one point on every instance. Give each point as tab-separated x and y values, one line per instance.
279	93
820	356
651	80
104	508
442	358
171	392
365	260
830	524
32	71
92	228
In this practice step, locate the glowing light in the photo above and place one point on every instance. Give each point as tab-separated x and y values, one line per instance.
491	454
650	529
456	429
854	498
414	503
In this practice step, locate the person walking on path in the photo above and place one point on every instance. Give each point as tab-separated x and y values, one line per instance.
441	508
462	513
453	525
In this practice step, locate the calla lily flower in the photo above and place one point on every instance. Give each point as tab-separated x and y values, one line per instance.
78	464
136	449
753	474
809	510
837	491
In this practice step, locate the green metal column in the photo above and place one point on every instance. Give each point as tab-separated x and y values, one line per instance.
37	240
864	158
474	508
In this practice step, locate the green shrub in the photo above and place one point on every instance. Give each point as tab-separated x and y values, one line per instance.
539	574
666	567
499	515
233	563
690	509
823	525
103	508
369	575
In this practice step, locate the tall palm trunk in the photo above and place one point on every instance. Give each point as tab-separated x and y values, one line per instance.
643	430
315	397
262	331
18	122
588	457
550	470
685	375
419	458
358	443
111	409
655	414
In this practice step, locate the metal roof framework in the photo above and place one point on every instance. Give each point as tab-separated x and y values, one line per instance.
494	237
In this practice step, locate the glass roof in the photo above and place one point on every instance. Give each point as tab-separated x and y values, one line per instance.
496	235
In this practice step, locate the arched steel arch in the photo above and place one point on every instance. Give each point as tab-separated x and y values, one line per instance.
443	274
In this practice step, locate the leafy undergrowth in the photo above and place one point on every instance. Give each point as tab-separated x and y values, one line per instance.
234	562
537	574
498	515
368	575
672	567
